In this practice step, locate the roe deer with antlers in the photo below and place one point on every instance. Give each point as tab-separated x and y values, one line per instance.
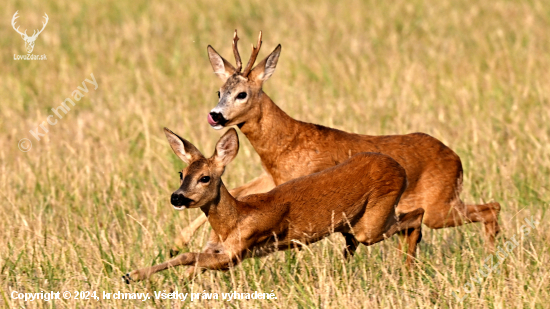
357	197
289	149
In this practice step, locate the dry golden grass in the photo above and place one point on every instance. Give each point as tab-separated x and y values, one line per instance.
90	201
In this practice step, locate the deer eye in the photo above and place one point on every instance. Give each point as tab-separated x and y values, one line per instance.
218	94
205	179
181	175
241	95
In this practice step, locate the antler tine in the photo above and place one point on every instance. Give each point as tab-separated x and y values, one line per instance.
43	25
236	52
13	24
254	55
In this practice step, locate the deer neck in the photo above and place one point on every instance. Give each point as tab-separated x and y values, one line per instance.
222	213
270	129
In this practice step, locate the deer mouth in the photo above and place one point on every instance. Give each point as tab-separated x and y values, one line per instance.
216	120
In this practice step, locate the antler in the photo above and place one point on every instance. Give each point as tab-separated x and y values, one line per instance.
13	25
236	52
254	55
43	26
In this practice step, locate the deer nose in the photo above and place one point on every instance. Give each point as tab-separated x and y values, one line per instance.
216	116
179	200
216	119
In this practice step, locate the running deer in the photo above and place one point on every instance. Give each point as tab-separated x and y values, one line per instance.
357	197
289	149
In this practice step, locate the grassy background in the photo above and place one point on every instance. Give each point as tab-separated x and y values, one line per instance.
90	201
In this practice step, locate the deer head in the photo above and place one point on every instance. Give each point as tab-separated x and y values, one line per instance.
239	96
29	40
200	181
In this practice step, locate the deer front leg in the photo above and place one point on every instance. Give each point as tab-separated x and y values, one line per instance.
261	184
409	227
207	260
212	246
234	249
185	236
351	245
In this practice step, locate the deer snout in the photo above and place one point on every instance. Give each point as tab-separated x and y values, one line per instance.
179	200
216	119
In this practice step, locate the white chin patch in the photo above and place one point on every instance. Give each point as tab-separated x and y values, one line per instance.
218	127
179	208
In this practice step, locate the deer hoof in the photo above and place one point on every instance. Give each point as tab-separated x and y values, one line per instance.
127	278
174	252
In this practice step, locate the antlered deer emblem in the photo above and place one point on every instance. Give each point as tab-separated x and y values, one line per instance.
29	40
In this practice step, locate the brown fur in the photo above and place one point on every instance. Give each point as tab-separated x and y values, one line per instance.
290	148
357	197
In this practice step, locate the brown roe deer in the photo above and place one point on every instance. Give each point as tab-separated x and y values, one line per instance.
357	197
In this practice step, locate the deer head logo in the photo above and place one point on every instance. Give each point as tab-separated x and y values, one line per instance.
29	40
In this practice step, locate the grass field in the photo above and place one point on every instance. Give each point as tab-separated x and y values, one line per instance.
90	200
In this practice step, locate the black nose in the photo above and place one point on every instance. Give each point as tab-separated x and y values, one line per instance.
180	200
218	118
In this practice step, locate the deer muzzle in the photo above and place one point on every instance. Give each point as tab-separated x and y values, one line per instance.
216	119
178	200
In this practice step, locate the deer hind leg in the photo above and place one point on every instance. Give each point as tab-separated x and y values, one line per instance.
456	213
488	215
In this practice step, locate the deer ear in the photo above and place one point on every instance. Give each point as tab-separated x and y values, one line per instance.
186	151
221	67
265	69
227	147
